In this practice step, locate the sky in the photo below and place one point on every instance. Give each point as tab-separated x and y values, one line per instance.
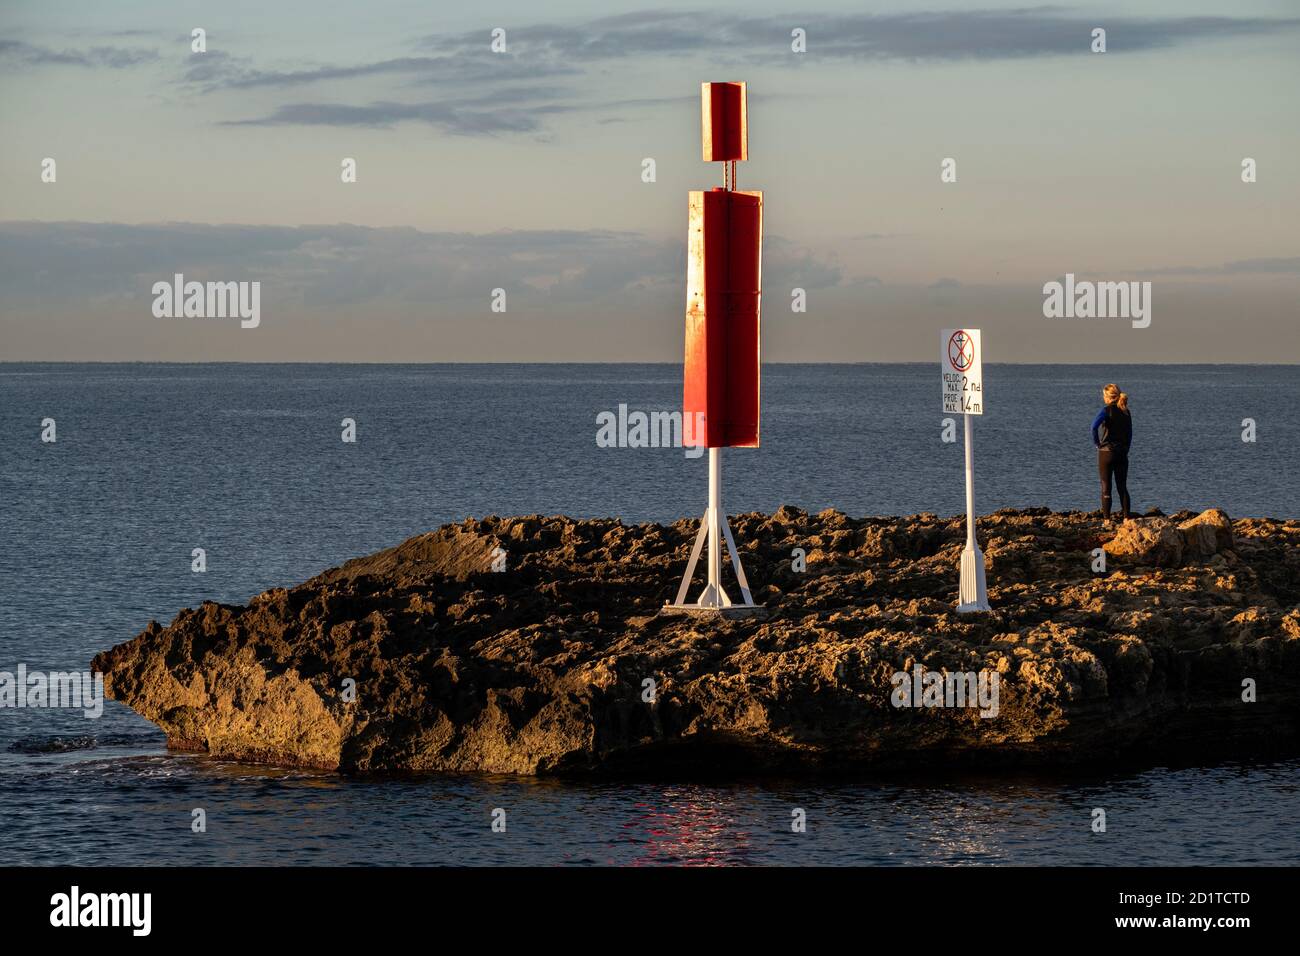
522	170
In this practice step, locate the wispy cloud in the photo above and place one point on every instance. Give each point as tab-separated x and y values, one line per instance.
1276	266
995	34
509	110
16	52
550	51
998	34
540	55
451	117
340	265
464	68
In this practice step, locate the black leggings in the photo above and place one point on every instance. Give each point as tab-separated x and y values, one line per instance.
1112	461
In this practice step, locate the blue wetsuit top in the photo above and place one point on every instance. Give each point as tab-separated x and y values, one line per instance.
1112	429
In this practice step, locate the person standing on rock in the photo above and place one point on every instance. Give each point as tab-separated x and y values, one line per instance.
1112	432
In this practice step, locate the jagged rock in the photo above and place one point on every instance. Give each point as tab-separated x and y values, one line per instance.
560	662
1151	541
1163	543
1207	534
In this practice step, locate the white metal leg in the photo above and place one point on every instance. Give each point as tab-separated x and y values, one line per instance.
695	556
735	563
972	592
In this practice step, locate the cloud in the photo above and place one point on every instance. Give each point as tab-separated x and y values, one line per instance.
547	50
1277	266
464	69
999	34
453	118
107	57
513	110
544	52
1004	33
342	265
787	265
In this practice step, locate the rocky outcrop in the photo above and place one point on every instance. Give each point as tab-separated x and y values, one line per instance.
1164	543
422	657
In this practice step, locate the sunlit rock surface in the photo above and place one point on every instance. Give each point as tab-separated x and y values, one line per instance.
546	666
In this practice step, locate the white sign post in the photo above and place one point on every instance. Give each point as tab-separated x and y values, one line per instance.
961	365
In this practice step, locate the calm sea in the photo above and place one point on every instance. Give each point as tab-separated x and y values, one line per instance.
246	462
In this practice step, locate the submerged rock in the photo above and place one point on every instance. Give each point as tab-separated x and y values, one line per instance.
421	657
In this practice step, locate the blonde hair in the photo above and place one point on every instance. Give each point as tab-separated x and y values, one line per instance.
1111	393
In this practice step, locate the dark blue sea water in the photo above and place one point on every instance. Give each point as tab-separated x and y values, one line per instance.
246	462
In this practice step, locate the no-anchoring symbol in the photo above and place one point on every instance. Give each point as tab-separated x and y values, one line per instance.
961	351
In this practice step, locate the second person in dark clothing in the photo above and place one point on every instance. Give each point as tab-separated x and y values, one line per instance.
1112	433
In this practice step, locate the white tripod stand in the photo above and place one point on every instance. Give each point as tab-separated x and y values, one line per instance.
713	527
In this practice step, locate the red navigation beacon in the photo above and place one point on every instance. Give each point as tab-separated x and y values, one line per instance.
723	283
725	122
724	249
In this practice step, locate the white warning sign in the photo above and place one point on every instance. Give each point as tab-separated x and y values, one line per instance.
961	363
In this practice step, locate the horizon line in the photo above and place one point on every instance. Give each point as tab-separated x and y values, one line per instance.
4	362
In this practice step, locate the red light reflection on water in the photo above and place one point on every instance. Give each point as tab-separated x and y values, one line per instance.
688	828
